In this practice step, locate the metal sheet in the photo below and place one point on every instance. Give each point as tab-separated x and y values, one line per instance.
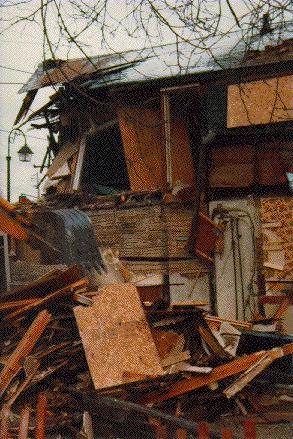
217	53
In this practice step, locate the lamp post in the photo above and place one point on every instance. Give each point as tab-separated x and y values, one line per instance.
24	154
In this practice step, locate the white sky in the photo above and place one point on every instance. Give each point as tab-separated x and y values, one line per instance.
22	48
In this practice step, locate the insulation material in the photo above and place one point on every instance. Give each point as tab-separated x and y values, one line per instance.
116	337
260	102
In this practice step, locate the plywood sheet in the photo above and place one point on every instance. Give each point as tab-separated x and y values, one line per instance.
141	131
260	102
116	336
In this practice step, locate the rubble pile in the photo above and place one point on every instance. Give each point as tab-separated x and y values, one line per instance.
82	363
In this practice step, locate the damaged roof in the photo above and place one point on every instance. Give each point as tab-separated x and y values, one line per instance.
220	53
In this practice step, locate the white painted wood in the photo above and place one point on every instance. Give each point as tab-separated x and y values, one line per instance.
79	164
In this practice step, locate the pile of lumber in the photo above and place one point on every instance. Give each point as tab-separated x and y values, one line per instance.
81	363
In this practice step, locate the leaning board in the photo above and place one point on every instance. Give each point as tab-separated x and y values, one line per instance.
116	337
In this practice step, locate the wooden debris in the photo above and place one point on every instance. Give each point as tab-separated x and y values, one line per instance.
175	358
164	341
69	289
212	342
41	417
227	433
24	384
253	371
203	430
125	355
216	321
218	373
4	421
88	425
23	349
249	429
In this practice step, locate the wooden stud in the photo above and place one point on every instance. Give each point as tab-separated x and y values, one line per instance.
24	423
41	417
88	425
249	429
227	433
203	430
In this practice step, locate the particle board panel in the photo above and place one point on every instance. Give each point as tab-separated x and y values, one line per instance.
116	336
260	102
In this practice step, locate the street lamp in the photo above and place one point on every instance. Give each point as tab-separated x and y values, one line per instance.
24	154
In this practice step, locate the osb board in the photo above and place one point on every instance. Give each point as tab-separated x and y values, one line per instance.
116	336
260	102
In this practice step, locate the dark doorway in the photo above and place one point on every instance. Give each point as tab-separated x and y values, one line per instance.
104	166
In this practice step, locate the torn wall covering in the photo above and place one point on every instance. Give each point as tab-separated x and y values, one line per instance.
278	212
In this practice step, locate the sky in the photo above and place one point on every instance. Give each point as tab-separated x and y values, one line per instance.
21	48
23	51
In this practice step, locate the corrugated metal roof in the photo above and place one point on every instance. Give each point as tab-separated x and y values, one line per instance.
53	72
222	52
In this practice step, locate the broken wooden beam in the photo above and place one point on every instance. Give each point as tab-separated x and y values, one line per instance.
4	421
226	370
227	433
23	349
253	371
203	430
218	320
69	289
212	342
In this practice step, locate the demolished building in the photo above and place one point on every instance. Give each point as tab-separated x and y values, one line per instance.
183	174
164	160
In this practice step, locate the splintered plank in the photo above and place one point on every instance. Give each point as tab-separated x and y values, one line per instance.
116	337
231	368
69	289
23	349
44	285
